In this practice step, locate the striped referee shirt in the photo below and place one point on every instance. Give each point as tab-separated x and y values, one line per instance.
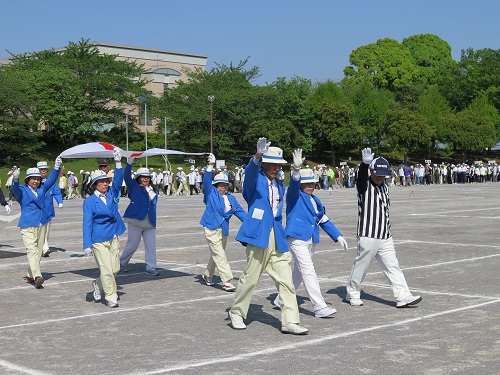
373	207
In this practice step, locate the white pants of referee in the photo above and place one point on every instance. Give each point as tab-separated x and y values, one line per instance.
135	232
384	252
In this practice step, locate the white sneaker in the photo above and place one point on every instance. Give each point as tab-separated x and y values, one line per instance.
208	280
228	287
97	292
112	303
294	329
409	301
354	301
236	320
325	312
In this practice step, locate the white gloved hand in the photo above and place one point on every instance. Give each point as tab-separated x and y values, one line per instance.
211	158
117	154
130	160
87	251
58	162
341	240
16	173
298	160
60	205
367	155
262	145
7	208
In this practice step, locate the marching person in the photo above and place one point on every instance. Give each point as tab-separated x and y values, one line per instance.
33	222
374	233
220	207
102	224
265	239
49	213
140	216
305	214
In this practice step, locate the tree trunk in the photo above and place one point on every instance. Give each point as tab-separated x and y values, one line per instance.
333	155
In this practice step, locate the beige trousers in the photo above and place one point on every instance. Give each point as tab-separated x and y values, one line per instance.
33	239
277	265
106	255
217	244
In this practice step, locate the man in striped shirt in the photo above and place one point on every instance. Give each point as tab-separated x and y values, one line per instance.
374	233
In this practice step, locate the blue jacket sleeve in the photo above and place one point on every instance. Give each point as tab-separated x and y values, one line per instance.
251	175
87	223
331	230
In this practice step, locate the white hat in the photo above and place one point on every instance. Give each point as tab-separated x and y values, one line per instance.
196	169
221	177
42	165
274	155
142	172
97	175
306	176
32	172
81	171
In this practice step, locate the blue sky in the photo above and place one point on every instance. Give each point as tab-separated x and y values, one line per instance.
311	39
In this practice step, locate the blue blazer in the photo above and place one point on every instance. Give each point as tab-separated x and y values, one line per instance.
256	228
52	193
139	205
214	215
32	207
302	221
101	222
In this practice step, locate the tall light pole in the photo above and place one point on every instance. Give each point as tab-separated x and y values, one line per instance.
146	129
211	100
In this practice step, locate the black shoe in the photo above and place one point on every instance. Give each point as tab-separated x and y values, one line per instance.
38	282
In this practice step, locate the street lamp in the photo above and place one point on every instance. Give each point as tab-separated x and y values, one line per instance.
211	100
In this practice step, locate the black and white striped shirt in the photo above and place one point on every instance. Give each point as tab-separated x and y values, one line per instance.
373	207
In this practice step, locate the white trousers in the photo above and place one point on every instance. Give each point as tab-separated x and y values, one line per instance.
303	270
135	233
46	238
384	252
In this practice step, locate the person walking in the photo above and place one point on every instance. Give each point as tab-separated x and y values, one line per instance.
102	225
140	216
49	213
265	239
305	214
220	207
374	233
33	222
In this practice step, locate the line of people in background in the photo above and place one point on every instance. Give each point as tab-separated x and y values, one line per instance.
428	174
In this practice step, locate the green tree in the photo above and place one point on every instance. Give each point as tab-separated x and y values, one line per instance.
77	90
407	132
282	133
385	64
371	106
19	132
434	108
335	121
431	54
469	133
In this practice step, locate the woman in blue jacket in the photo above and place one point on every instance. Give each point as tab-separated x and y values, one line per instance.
33	221
102	224
220	208
305	214
140	216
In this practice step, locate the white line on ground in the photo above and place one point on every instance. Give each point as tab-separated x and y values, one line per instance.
11	366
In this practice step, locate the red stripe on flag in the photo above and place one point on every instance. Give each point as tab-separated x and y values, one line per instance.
107	146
